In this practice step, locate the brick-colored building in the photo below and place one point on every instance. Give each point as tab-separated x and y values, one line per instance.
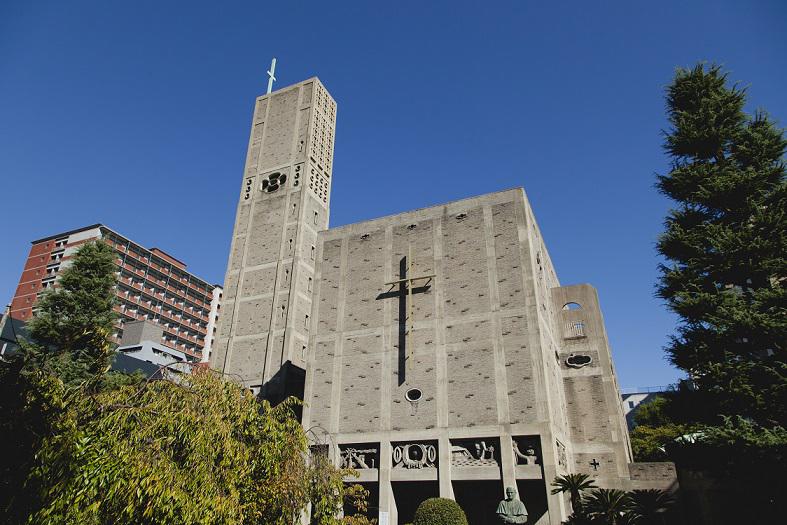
152	285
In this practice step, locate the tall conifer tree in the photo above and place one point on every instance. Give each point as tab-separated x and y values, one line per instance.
726	248
72	326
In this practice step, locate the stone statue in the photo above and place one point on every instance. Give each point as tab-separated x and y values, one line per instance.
511	510
528	458
483	451
484	455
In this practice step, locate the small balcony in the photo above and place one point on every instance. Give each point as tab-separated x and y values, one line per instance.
574	329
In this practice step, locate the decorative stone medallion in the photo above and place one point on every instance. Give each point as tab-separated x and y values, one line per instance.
415	456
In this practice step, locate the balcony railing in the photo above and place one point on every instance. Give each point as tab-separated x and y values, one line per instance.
574	330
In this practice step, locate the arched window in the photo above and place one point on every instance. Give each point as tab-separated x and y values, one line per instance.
572	306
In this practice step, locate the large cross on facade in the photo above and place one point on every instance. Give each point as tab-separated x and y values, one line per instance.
407	287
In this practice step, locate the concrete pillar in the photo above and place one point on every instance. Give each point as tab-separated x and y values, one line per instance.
508	461
387	502
556	508
444	467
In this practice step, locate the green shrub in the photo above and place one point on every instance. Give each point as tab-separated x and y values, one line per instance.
439	511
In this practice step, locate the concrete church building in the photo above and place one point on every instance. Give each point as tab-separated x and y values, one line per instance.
436	351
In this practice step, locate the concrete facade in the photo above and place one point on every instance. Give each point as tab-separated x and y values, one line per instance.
483	373
284	196
501	354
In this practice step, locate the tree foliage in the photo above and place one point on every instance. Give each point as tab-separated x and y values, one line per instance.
740	466
439	511
574	485
197	451
655	428
85	446
607	506
73	323
70	345
601	506
649	506
738	448
31	406
726	248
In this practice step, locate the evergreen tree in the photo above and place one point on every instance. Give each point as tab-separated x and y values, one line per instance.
70	345
73	324
726	249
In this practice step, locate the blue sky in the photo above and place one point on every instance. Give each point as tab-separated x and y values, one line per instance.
136	114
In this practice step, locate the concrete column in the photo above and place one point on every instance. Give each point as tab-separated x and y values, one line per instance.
508	461
556	507
557	511
444	467
387	502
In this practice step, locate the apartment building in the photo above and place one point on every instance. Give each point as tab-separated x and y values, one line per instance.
151	285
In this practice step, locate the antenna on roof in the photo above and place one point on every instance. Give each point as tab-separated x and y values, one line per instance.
271	78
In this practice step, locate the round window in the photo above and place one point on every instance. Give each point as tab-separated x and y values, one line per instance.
413	394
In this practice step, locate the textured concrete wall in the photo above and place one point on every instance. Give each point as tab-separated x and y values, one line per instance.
459	335
474	350
487	349
599	443
269	283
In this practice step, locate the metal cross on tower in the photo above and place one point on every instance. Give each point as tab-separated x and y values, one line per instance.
407	282
271	78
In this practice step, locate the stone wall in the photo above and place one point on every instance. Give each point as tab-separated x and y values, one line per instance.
283	203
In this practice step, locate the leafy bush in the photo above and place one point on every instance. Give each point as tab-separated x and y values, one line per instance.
439	511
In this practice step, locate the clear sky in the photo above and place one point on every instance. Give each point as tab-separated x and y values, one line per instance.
136	115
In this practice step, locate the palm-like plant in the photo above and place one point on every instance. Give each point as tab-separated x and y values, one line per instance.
574	484
607	505
648	507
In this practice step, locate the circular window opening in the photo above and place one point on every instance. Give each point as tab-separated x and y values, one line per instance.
413	394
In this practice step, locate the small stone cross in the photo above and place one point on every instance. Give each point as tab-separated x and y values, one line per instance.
595	464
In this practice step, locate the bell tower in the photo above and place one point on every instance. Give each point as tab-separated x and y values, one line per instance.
263	331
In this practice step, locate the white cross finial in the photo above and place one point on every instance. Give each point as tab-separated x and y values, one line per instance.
271	78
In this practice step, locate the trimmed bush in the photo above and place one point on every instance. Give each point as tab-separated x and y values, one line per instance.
439	511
